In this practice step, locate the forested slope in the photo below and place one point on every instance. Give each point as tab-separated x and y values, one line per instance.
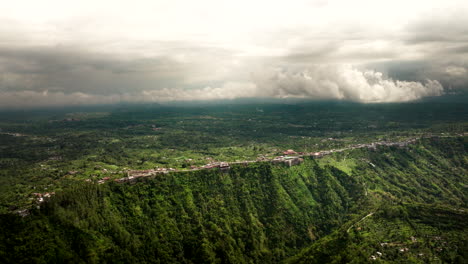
260	213
416	211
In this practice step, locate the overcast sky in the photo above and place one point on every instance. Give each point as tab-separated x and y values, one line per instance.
85	52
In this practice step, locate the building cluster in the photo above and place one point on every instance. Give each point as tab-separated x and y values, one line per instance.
64	120
135	174
103	180
22	212
153	127
402	250
39	197
220	165
71	119
288	160
376	256
374	145
12	134
289	152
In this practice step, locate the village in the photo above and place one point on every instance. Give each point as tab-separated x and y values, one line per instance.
289	158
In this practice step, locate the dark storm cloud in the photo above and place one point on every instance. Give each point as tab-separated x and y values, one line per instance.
449	28
462	49
351	50
72	69
442	42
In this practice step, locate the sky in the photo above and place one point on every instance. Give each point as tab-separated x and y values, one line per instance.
59	52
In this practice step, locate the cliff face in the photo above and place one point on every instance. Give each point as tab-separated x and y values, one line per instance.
260	213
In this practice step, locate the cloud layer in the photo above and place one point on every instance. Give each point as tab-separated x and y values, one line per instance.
52	53
345	83
321	82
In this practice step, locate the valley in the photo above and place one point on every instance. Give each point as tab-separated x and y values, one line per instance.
85	191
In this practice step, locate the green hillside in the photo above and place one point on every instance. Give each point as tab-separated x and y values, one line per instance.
262	213
396	233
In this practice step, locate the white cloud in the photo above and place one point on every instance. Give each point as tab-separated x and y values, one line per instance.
319	82
455	71
343	82
167	50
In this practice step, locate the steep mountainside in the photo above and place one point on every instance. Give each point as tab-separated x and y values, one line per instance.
262	213
396	233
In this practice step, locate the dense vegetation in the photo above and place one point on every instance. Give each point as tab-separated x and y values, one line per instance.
415	199
39	149
397	233
417	211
